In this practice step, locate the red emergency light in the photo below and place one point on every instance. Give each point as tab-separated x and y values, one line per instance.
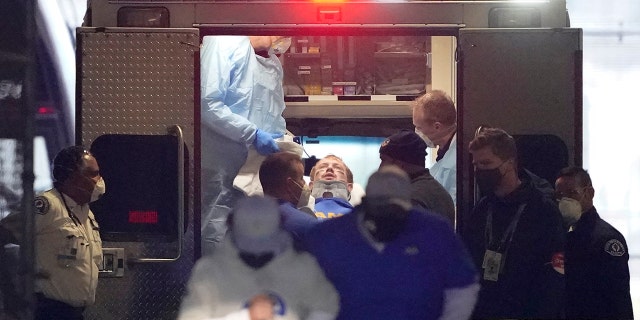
141	216
46	110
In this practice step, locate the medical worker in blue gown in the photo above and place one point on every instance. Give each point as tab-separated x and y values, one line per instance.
435	119
241	108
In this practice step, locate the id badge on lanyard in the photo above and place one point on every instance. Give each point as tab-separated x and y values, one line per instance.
493	262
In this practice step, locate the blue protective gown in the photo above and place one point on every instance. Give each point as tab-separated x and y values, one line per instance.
241	92
444	171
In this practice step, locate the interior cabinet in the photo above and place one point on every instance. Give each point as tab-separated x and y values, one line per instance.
357	65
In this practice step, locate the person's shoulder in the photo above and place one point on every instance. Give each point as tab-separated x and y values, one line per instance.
604	231
424	219
302	257
331	229
539	194
47	201
286	207
226	45
609	240
225	40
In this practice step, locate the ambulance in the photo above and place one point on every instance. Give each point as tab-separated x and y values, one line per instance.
352	70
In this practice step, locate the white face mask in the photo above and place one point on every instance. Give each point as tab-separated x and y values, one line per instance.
306	202
281	45
571	210
426	139
305	195
330	189
309	208
98	190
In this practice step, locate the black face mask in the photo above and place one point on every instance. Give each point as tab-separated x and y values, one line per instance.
488	179
256	261
384	221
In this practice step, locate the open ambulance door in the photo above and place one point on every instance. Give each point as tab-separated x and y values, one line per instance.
527	82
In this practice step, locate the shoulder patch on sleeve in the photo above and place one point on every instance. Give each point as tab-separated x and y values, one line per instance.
615	248
42	205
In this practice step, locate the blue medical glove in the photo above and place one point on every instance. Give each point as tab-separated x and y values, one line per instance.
265	143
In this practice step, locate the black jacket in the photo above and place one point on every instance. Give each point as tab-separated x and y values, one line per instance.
531	285
429	194
597	270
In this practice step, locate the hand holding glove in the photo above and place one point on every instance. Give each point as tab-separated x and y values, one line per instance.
265	143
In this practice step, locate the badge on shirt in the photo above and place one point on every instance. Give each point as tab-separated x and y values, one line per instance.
42	205
615	248
491	265
557	262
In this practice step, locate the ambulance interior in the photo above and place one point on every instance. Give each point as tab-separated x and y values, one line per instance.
345	94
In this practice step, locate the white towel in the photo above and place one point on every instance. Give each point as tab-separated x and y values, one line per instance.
248	179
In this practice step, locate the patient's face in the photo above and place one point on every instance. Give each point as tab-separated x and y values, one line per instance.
331	169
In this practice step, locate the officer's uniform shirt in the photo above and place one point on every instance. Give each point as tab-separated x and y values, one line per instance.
597	270
68	250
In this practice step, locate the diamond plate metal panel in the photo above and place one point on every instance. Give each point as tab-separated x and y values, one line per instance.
135	81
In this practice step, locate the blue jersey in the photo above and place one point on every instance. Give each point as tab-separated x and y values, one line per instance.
405	280
295	221
327	208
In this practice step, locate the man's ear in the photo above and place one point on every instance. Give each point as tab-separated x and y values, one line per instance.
349	187
590	192
310	184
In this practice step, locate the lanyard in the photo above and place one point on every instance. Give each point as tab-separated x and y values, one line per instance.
507	236
75	218
70	213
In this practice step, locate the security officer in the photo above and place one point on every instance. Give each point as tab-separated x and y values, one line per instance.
596	256
68	245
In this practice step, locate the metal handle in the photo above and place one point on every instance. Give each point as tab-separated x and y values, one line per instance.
175	130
